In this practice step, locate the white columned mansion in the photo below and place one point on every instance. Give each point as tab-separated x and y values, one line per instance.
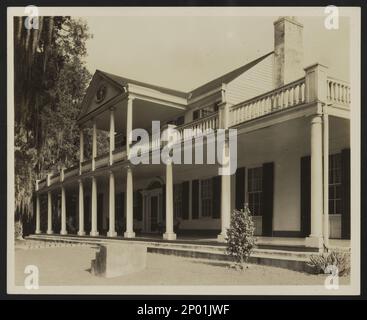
293	156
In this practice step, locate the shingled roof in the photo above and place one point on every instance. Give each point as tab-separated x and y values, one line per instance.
211	85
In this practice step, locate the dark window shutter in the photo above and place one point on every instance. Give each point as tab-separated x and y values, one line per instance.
306	196
196	115
216	197
240	188
185	200
195	199
268	196
138	208
345	179
164	203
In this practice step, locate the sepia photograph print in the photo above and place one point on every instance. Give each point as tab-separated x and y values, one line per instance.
183	150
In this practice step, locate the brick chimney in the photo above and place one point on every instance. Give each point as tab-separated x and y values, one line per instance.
288	51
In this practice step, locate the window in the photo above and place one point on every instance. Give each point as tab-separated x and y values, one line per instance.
177	200
204	112
255	190
206	197
335	184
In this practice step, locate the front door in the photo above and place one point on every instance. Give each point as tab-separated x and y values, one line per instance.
152	210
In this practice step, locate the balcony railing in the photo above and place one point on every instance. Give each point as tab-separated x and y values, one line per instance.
102	160
86	166
119	154
71	172
199	126
284	97
42	183
55	178
338	92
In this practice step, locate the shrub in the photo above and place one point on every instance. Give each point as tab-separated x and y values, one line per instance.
321	263
240	236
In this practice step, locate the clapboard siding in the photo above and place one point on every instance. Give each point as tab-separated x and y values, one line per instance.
257	80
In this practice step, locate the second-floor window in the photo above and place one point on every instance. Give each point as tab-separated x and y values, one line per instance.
255	191
206	198
203	112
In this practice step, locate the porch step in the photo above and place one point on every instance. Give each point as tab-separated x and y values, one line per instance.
293	260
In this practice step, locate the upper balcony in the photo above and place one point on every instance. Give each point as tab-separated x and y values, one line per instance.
314	88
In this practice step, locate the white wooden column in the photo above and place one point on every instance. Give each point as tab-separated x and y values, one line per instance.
63	211
81	231
315	238
129	233
112	232
81	149
112	134
129	124
94	231
225	194
38	214
169	235
94	144
326	176
49	213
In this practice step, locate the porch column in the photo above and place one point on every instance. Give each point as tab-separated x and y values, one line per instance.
326	175
94	231
169	235
94	144
225	195
63	212
129	233
112	134
81	231
111	231
38	215
81	149
49	213
315	238
129	124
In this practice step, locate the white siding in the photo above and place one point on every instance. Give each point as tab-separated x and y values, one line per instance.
257	80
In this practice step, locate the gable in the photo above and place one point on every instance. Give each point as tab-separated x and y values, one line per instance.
101	90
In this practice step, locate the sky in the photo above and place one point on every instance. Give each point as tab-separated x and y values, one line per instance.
183	52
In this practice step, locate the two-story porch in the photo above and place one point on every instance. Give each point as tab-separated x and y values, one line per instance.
283	139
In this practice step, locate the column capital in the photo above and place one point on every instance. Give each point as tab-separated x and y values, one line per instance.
317	118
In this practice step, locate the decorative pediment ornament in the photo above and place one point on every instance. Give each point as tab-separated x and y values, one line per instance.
101	93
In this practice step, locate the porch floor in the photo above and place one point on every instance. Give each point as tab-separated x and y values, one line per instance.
281	243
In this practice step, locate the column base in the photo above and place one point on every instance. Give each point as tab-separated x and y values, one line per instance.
63	232
49	232
81	233
111	234
129	234
169	236
94	233
38	232
314	242
222	237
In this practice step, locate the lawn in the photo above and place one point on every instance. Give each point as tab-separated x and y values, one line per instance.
70	265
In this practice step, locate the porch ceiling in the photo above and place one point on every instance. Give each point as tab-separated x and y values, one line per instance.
144	112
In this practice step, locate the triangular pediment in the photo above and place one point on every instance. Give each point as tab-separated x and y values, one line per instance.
101	90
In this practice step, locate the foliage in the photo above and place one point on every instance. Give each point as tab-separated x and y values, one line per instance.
321	263
240	236
50	83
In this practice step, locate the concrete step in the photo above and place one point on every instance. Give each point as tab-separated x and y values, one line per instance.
293	260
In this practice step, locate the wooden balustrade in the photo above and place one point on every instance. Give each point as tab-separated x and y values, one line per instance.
284	97
338	92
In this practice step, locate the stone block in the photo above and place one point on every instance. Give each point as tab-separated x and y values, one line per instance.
115	260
